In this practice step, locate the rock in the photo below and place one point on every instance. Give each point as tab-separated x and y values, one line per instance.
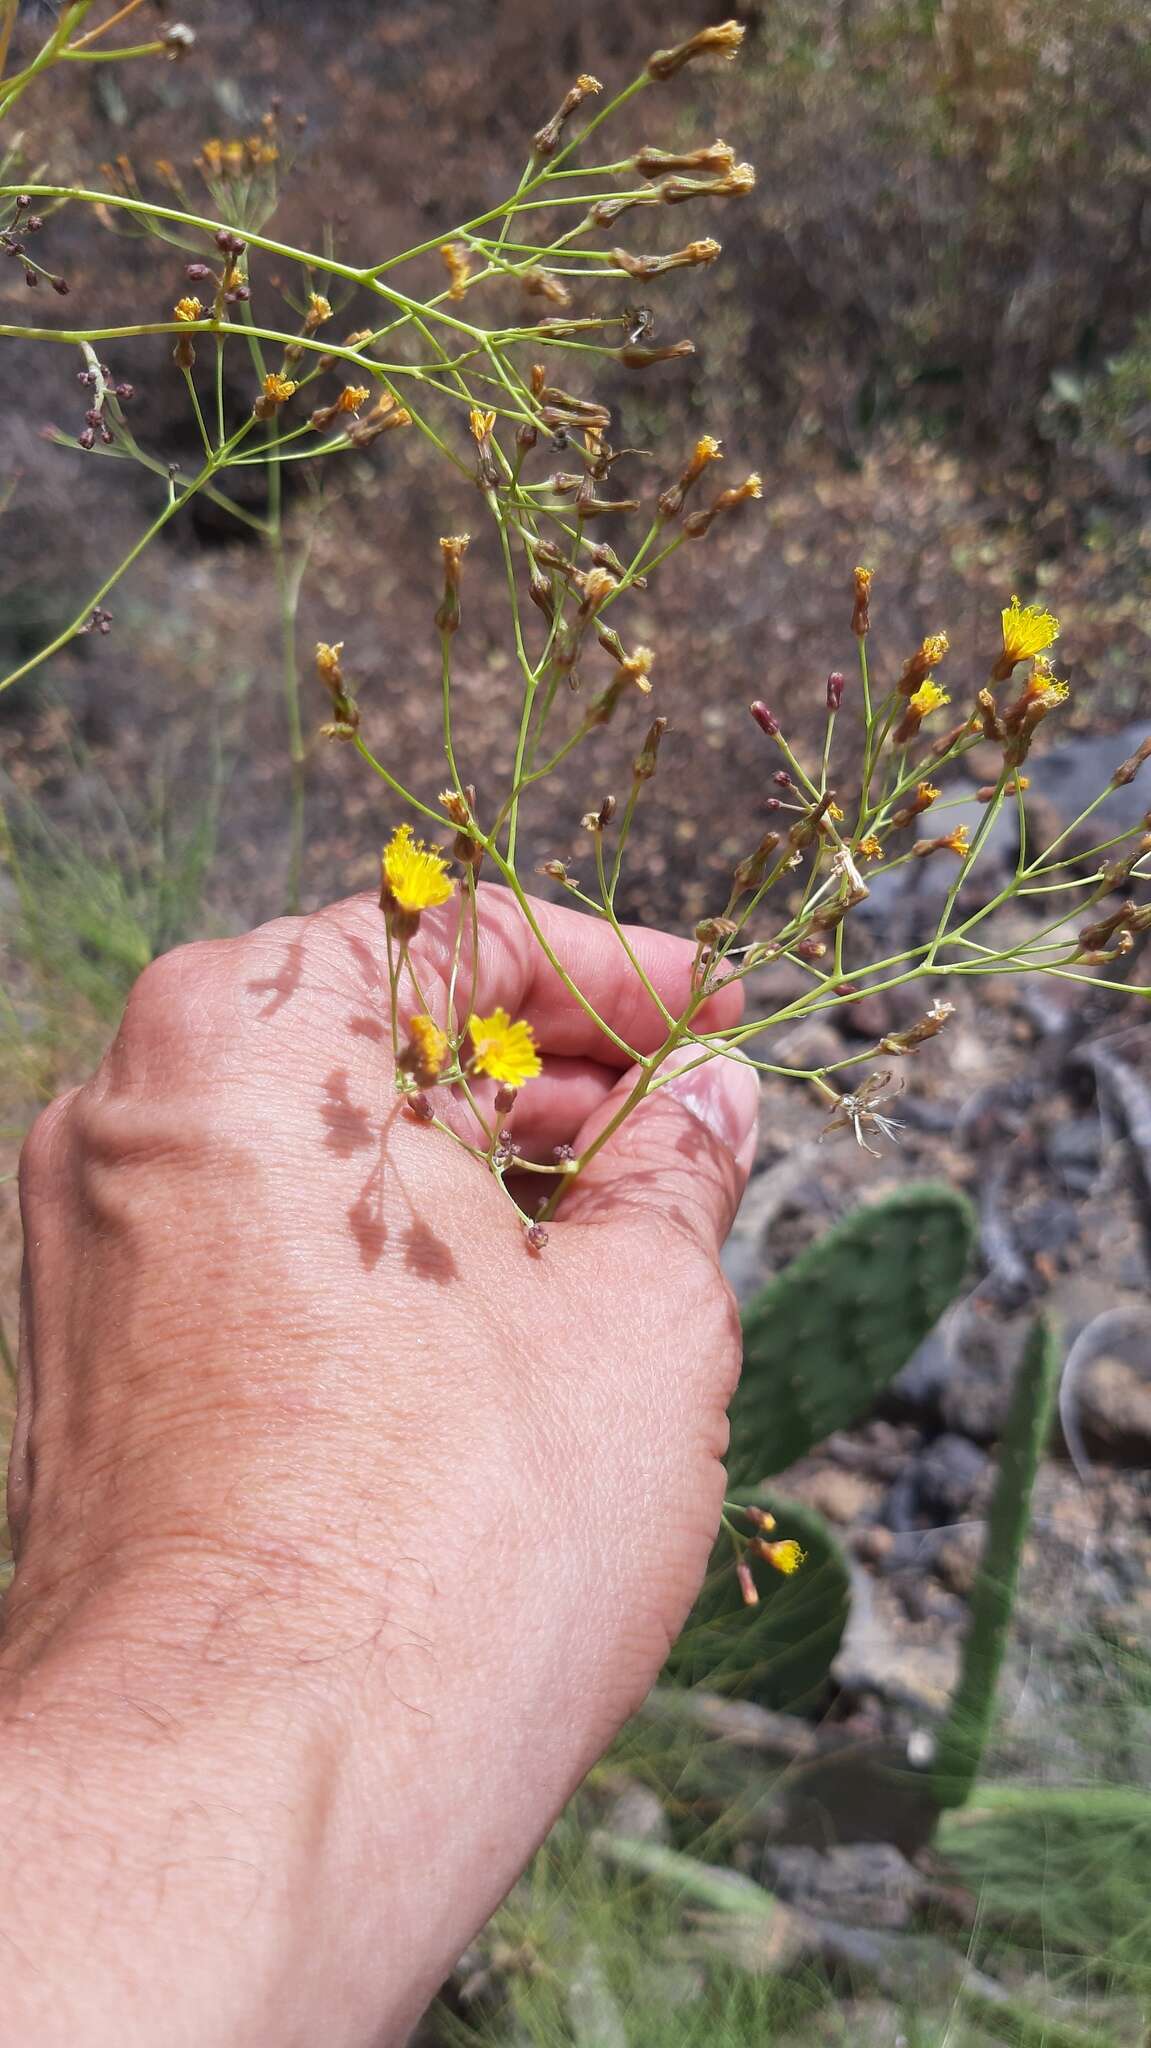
1074	1149
638	1813
1114	1401
873	1545
842	1496
958	1556
974	1401
949	1474
868	1883
919	1387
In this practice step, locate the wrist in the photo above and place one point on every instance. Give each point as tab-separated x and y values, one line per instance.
297	1745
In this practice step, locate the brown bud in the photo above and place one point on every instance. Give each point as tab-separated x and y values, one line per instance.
644	766
1129	769
751	872
765	719
635	357
722	39
453	547
545	142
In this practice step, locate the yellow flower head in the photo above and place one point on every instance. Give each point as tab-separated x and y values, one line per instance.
928	698
786	1556
352	397
481	423
278	389
871	848
1044	684
636	667
860	617
415	875
504	1051
319	310
188	309
426	1054
934	648
958	842
1026	631
459	269
328	663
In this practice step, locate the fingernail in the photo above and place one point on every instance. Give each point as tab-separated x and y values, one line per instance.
722	1092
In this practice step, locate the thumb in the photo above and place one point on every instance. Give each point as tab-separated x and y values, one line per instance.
684	1153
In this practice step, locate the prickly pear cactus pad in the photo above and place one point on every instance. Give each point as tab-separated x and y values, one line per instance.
837	1325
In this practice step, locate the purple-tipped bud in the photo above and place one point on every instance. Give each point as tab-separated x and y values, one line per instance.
765	719
61	285
773	803
196	272
782	779
88	438
835	689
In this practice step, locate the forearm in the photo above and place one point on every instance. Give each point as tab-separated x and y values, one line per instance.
245	1809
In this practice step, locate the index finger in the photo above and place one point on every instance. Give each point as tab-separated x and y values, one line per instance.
567	973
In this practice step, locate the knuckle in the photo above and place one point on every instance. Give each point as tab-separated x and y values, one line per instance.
43	1149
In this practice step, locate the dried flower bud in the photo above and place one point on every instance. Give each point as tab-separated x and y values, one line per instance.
275	392
535	1237
635	357
765	719
928	1026
717	158
706	450
836	683
1010	788
919	665
810	949
545	142
453	547
184	353
680	259
504	1100
1097	934
712	931
645	763
861	616
457	263
1129	769
420	1108
722	39
926	699
926	794
384	415
747	1587
426	1053
751	872
698	523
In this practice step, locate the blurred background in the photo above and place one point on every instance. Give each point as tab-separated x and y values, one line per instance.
930	332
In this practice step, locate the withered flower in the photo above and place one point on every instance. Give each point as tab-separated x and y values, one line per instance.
453	547
722	39
545	141
698	523
695	253
716	158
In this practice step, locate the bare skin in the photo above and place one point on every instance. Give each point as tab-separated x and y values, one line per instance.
348	1530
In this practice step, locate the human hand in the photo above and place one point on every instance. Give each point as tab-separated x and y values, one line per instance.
318	1465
